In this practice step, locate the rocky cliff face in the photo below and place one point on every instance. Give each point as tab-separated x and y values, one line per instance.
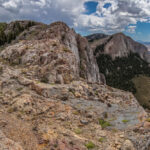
61	54
87	66
118	45
51	97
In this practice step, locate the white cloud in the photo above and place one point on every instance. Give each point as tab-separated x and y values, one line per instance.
131	29
115	18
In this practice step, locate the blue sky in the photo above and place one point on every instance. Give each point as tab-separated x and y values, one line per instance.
86	16
140	33
90	7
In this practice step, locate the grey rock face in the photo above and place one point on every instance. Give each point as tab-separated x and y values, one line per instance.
87	65
62	55
119	45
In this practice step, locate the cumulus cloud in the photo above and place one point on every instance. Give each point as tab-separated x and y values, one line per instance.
41	10
115	17
131	29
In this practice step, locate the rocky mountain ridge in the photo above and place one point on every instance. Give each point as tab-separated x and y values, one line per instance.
118	45
58	37
121	60
53	96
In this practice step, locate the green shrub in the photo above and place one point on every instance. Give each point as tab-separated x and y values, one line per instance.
90	145
104	123
102	139
125	121
78	131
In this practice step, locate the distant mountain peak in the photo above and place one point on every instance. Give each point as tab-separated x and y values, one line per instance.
119	45
96	36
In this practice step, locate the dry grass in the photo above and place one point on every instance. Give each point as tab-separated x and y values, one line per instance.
142	84
18	131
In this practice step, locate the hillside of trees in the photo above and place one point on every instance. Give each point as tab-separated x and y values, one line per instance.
120	72
9	33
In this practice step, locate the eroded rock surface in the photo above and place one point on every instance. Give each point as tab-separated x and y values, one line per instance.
47	116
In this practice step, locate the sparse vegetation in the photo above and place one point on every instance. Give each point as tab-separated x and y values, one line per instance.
66	49
104	123
78	131
125	121
76	113
102	139
16	29
19	89
90	145
72	91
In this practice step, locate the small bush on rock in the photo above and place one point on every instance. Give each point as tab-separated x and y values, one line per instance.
104	123
90	145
